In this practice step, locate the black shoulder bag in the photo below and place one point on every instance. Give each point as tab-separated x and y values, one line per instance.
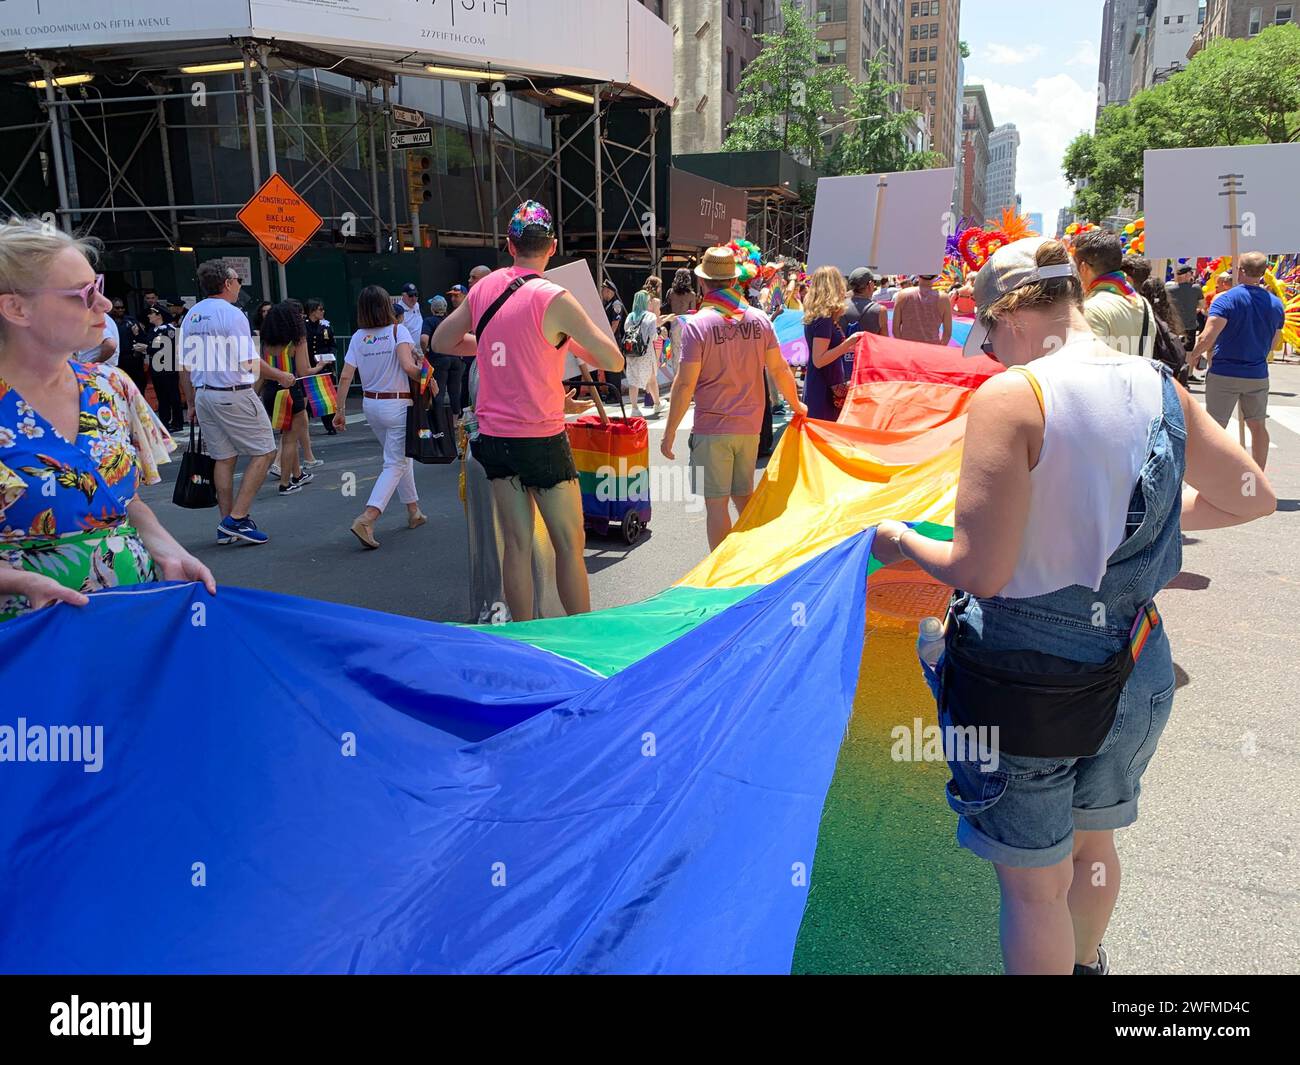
195	489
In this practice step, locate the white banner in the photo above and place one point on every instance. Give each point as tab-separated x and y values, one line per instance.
594	40
77	23
889	223
1196	196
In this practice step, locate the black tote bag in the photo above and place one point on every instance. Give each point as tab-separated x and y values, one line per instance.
195	488
430	432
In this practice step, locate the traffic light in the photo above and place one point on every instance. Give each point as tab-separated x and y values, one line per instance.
419	178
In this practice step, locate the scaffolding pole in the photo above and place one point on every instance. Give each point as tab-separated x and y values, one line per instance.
56	140
374	170
492	157
392	178
167	170
556	142
600	182
271	162
654	214
250	110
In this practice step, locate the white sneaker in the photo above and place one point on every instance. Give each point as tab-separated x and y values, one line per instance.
313	464
274	471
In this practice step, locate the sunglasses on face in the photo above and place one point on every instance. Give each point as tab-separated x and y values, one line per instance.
87	294
987	346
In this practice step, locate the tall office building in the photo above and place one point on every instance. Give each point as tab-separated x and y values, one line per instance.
977	127
1240	19
932	61
1159	47
853	33
1119	22
713	42
1000	180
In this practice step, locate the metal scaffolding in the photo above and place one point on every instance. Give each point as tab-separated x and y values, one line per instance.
581	141
602	164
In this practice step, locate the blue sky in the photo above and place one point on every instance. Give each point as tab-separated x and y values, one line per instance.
1038	62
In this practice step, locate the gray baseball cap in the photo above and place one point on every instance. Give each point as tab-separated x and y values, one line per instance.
1009	268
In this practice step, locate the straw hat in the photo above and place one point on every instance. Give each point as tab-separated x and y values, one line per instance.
719	265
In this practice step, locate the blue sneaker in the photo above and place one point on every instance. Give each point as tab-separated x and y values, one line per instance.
242	529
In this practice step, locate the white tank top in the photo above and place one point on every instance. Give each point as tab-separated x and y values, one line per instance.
1098	408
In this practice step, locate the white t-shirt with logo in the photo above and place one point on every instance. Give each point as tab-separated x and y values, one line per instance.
110	333
374	353
216	345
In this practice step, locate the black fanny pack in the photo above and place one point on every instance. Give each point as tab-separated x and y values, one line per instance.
1043	706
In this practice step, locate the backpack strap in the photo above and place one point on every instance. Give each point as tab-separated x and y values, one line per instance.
1033	383
501	300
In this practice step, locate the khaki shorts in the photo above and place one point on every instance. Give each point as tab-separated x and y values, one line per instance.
233	423
723	466
1222	393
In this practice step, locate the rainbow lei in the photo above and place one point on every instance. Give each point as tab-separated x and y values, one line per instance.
1117	283
728	302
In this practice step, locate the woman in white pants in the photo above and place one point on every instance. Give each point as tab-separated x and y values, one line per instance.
382	353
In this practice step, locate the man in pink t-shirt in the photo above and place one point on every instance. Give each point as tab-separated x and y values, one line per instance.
520	330
725	347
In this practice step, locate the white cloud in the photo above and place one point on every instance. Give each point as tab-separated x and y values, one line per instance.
1006	56
1086	54
1049	115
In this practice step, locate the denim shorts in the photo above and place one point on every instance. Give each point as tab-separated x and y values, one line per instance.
538	462
1023	812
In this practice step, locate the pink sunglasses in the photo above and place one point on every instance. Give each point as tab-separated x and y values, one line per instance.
87	293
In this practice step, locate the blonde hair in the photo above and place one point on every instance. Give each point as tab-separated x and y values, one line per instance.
1040	293
28	247
826	295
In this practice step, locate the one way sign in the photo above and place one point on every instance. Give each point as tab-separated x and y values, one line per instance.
411	138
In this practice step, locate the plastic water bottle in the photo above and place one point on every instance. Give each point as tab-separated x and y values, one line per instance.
929	643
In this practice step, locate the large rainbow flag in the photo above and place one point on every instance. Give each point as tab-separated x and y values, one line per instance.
707	781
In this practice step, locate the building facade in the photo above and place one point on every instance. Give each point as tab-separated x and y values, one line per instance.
933	70
977	128
713	42
856	32
1160	44
1000	180
1240	19
1119	23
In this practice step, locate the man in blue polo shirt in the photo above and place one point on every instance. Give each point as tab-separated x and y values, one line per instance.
1242	328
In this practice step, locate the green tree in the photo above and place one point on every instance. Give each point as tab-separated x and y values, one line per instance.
1233	92
963	49
875	136
785	92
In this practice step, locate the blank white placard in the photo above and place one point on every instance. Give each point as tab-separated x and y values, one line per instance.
1186	215
915	222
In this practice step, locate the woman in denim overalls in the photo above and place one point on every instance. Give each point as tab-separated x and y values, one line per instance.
1021	553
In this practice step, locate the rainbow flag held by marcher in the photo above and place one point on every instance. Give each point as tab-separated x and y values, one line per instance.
709	780
322	394
282	411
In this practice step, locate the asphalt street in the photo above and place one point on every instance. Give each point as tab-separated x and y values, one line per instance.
1212	867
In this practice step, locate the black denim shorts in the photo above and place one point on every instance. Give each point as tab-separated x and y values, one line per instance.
297	394
539	462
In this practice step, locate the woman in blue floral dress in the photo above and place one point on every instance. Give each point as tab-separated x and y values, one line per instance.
76	439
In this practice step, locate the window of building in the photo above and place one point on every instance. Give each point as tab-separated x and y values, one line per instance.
1283	14
915	32
911	56
916	10
934	29
730	12
731	84
934	53
832	10
925	33
832	51
1200	12
1256	18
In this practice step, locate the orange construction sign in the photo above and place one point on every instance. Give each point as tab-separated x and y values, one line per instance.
279	219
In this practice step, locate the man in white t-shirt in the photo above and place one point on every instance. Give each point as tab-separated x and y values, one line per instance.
221	368
409	308
107	350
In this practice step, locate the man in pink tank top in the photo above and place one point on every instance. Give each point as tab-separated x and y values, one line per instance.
519	326
923	315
